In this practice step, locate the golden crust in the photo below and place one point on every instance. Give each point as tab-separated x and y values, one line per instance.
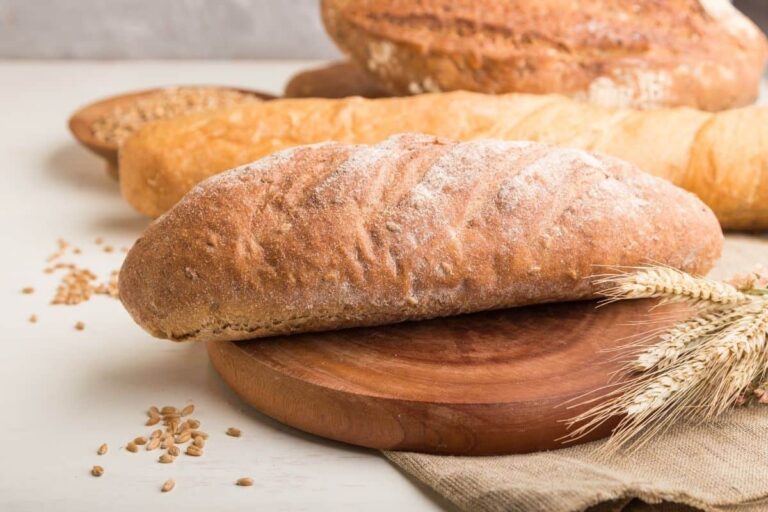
698	53
330	236
166	159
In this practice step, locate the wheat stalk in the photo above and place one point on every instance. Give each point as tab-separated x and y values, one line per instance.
695	370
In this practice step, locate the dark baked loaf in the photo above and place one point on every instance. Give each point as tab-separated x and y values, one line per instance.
337	80
644	53
333	235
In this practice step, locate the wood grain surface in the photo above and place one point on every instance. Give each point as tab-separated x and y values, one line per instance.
489	383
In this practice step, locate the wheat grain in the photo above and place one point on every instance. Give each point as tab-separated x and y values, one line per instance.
97	471
234	432
131	447
194	451
168	486
244	482
165	458
189	409
102	449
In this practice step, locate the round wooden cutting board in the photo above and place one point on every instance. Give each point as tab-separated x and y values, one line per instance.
488	383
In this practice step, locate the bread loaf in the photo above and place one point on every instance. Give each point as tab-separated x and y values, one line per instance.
645	53
329	236
721	157
337	80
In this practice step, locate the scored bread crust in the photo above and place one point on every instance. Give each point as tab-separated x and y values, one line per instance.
331	236
644	54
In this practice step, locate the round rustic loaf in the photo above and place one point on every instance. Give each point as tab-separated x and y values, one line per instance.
332	235
644	53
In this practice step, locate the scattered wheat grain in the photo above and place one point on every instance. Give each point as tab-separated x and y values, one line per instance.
245	481
234	432
168	486
194	451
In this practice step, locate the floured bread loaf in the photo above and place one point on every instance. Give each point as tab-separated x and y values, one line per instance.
333	235
642	54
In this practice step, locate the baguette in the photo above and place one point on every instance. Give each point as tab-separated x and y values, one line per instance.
721	157
330	236
644	54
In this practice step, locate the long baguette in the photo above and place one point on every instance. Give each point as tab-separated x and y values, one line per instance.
722	157
329	236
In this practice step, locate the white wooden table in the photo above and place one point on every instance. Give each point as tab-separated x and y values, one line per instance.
64	392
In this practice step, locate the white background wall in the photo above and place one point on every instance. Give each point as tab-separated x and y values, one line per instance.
100	29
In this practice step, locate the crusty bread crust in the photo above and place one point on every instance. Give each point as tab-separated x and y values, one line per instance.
721	157
645	53
337	80
331	236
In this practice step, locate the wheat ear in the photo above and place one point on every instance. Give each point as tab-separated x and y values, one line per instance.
669	284
701	384
696	370
682	338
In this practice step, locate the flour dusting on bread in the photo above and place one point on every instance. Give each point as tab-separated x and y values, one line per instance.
336	235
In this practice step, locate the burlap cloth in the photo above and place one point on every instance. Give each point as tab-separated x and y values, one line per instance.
722	466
